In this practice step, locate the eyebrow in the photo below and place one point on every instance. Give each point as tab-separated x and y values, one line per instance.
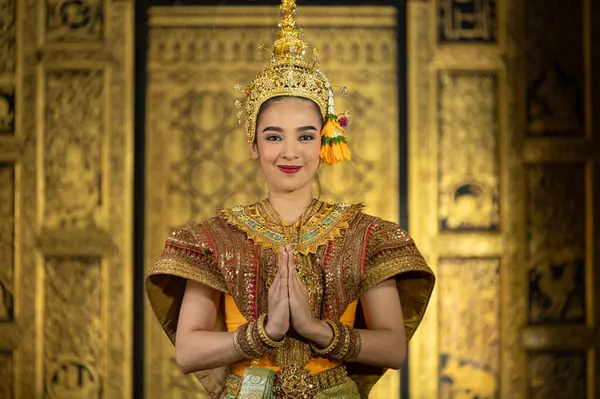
280	130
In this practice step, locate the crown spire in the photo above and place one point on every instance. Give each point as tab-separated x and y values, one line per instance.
289	42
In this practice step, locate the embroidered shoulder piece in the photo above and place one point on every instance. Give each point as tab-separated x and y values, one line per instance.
327	222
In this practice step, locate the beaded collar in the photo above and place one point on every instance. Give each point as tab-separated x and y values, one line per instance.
320	223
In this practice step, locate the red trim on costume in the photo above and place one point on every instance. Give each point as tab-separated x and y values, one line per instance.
253	283
364	253
328	306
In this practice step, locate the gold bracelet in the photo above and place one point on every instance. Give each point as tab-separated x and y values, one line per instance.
240	331
340	351
355	346
257	350
259	341
264	336
334	341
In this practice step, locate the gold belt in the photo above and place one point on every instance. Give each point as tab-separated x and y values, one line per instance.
294	382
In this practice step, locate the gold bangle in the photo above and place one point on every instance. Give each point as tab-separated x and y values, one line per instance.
236	341
340	351
264	336
355	346
258	340
250	339
334	340
246	346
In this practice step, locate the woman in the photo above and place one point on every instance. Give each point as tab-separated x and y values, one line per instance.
290	297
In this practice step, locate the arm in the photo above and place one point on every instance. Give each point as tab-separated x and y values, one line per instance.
384	340
198	347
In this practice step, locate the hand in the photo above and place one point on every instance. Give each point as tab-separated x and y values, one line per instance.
302	319
278	321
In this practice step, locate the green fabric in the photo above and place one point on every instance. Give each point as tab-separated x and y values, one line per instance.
229	395
257	383
345	390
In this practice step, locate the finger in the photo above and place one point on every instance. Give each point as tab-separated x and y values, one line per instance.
291	274
290	259
290	254
280	271
292	269
297	280
284	276
292	290
283	256
276	284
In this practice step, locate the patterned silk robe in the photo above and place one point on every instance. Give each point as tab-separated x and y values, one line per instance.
340	253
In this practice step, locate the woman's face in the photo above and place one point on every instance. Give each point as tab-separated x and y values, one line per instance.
288	143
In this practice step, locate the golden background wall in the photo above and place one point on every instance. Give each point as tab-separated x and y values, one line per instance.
503	164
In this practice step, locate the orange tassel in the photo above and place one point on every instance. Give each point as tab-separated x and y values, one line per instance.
334	148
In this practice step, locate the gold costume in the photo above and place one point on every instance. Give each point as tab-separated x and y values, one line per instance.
340	253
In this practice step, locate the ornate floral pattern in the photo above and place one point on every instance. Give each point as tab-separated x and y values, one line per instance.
325	222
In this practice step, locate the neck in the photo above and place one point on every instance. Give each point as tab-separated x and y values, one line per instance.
291	205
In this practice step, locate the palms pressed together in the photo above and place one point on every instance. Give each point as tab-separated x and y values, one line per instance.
288	304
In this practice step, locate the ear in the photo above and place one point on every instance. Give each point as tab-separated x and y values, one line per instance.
254	150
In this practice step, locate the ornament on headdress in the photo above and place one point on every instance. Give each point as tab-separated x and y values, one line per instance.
290	74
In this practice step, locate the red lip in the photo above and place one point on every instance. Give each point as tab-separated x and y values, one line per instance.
290	170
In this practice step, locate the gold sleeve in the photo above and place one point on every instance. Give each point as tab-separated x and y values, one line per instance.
392	253
189	253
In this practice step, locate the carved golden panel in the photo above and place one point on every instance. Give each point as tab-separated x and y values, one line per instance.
197	155
6	375
467	21
73	148
544	337
553	375
469	327
7	38
555	75
543	179
74	332
468	151
556	242
7	111
74	20
7	241
69	273
7	66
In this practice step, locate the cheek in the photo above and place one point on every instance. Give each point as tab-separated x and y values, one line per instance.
313	150
267	153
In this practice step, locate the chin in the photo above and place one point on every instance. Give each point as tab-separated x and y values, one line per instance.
291	186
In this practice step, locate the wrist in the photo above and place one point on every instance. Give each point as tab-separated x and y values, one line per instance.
345	344
317	331
272	333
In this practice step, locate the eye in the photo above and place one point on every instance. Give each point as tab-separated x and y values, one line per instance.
273	137
307	137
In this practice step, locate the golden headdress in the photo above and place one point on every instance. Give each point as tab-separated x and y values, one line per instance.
289	73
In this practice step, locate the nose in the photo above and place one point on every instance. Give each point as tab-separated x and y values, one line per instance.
289	150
